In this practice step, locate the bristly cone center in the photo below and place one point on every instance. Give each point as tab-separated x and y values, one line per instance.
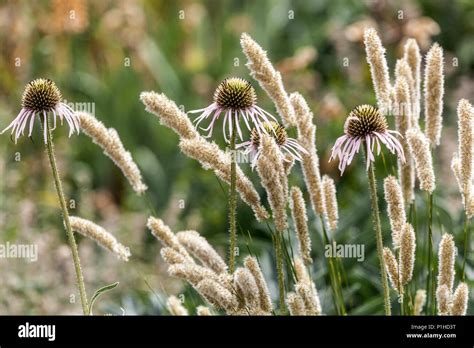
274	129
41	95
235	93
364	120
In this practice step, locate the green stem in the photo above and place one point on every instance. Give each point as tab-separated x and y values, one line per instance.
378	235
337	296
467	225
281	277
70	235
232	201
430	289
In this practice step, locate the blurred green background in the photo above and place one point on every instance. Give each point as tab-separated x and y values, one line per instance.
104	53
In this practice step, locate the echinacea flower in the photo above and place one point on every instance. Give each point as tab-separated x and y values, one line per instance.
286	145
42	96
236	99
366	124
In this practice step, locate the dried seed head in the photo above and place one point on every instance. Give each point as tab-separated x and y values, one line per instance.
460	298
246	285
420	301
171	256
395	208
443	297
201	249
298	211
330	200
420	150
465	113
407	253
100	235
392	268
446	255
378	67
274	129
203	311
235	93
192	273
434	92
217	295
175	307
310	298
41	95
364	120
295	304
264	295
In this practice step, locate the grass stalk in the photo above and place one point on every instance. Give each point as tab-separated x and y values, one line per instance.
232	201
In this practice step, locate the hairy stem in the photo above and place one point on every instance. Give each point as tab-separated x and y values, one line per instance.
378	235
70	234
279	266
467	225
232	200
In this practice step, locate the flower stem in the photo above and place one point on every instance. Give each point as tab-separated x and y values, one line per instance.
467	225
70	235
279	265
430	288
232	201
378	235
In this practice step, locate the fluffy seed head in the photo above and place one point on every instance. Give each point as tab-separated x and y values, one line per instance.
420	301
295	304
420	150
407	253
446	254
443	297
251	264
395	208
392	268
41	95
330	201
364	120
300	218
274	129
460	298
235	93
175	307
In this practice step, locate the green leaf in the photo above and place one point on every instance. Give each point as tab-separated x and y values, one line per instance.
100	292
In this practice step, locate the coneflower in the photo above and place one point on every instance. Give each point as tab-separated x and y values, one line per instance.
236	100
434	92
40	98
375	53
290	149
365	125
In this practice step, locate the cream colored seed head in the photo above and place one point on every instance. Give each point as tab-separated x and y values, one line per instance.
245	284
217	295
169	114
420	301
203	311
465	113
265	300
420	150
192	273
407	253
434	92
392	268
413	57
375	53
298	211
100	235
460	300
109	141
295	304
175	307
330	200
202	250
269	79
446	256
443	298
395	208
